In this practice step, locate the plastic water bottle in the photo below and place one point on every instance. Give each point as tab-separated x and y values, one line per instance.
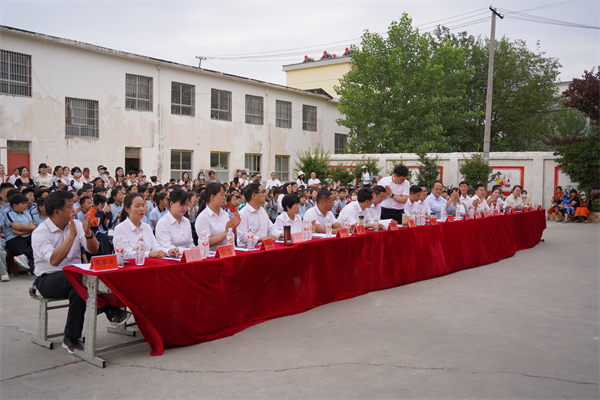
204	245
250	237
535	205
328	226
458	212
305	228
443	215
140	251
120	251
230	237
471	212
376	224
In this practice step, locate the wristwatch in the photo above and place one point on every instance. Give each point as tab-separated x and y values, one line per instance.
89	237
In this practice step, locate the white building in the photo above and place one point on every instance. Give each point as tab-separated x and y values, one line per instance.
64	102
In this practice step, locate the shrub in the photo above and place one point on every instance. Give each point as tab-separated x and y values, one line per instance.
475	170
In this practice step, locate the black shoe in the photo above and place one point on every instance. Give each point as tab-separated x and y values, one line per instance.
71	344
117	316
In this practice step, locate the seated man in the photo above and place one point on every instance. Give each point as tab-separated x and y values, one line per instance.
379	194
254	217
354	210
424	203
478	201
321	211
412	205
57	242
437	202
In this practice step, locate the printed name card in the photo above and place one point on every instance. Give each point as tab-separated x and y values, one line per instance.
297	237
410	223
393	226
191	255
104	263
359	229
450	218
477	216
539	208
467	217
225	251
342	233
433	221
496	212
267	244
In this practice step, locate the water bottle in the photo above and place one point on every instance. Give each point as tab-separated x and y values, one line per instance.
347	224
471	212
535	205
458	212
305	228
120	251
328	226
250	237
375	224
230	237
204	245
140	251
443	215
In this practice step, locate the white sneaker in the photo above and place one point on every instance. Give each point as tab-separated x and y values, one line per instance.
5	278
22	261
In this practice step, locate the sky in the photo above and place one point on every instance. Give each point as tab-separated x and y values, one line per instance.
282	32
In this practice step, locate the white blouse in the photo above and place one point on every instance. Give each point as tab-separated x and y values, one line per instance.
284	219
213	224
131	233
171	234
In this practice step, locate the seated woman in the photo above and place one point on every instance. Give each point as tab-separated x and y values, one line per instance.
174	230
515	199
567	209
290	216
526	199
494	201
583	211
131	227
455	205
213	219
556	202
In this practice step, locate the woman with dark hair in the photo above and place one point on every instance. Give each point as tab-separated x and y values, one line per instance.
77	179
42	178
556	202
515	199
213	219
67	172
58	179
119	178
184	178
367	176
211	177
115	206
24	179
86	176
175	230
291	216
494	201
301	183
132	227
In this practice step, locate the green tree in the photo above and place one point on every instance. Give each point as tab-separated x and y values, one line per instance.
313	161
373	165
342	173
429	171
476	171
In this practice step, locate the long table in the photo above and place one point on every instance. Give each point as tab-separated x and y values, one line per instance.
180	304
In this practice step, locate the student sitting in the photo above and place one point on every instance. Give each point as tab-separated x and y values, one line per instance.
57	242
131	227
175	230
232	202
85	205
291	216
115	205
3	271
160	210
213	219
40	212
18	226
303	207
254	217
100	223
321	212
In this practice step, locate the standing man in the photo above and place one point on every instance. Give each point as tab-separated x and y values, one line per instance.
313	182
57	242
273	182
397	189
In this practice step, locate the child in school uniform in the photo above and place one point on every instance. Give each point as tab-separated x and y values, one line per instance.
18	226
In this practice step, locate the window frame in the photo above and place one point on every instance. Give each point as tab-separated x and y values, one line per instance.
279	121
305	113
336	149
136	98
260	115
70	123
256	160
215	112
11	65
279	173
219	173
180	105
181	170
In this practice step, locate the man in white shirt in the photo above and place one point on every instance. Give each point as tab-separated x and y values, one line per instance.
463	187
413	204
253	216
353	211
478	200
56	243
374	212
436	202
321	211
16	175
313	181
273	182
397	188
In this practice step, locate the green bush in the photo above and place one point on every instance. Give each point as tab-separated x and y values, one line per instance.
317	162
369	162
429	171
476	171
342	173
596	206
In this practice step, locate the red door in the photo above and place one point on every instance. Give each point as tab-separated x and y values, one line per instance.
17	160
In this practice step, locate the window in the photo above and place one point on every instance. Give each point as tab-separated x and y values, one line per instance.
252	164
182	99
181	161
284	114
81	117
282	168
254	110
220	105
340	143
138	92
15	73
219	162
132	158
309	118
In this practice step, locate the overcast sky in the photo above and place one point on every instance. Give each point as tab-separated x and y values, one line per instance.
180	31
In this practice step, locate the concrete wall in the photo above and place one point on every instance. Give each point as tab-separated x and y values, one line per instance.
540	175
62	68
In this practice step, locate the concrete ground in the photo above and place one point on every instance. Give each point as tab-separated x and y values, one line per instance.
525	327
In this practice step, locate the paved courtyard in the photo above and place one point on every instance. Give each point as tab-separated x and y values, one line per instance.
525	327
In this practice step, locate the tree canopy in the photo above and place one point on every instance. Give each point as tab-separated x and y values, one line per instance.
415	89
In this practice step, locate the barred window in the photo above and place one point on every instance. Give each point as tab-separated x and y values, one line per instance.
283	114
340	143
254	110
81	117
15	73
309	118
181	161
252	164
220	105
282	168
219	162
138	92
182	99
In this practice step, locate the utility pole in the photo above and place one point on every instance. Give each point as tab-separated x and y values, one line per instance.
200	61
488	103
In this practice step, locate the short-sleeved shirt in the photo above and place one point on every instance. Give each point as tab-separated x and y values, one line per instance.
314	214
399	189
156	215
212	223
12	217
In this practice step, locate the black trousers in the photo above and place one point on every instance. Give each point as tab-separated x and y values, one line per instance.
391	213
55	285
22	245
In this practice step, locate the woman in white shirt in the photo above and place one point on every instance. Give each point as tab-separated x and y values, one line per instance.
184	178
174	230
213	219
515	198
42	178
58	179
367	177
301	183
291	216
77	179
131	227
494	201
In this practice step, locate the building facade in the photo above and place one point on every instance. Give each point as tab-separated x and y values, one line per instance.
64	102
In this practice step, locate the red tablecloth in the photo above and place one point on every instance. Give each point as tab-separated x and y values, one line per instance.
178	304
